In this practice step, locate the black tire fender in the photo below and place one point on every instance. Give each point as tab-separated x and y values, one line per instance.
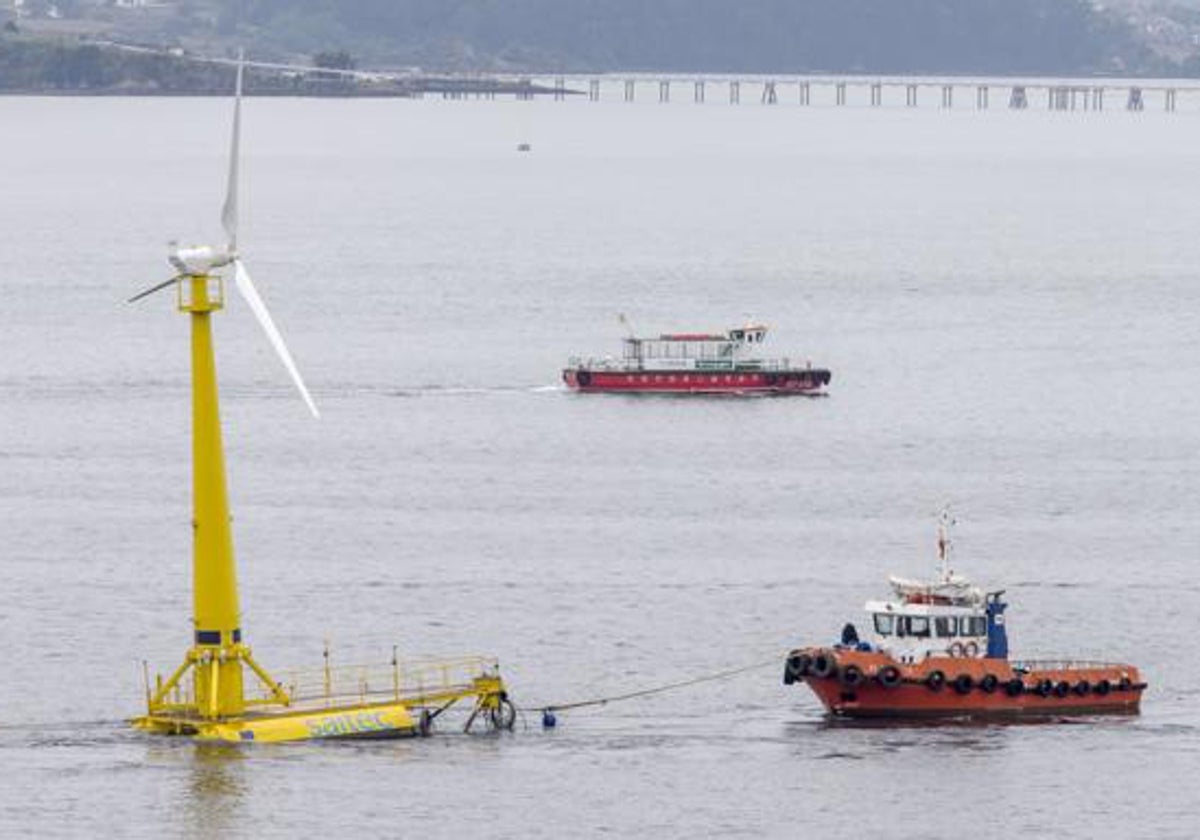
824	666
852	676
797	668
888	676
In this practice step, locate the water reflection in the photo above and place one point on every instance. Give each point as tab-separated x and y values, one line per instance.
829	737
217	789
212	787
967	722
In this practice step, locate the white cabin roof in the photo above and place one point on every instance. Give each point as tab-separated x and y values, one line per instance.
900	608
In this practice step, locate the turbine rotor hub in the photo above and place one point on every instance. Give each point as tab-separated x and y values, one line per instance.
197	261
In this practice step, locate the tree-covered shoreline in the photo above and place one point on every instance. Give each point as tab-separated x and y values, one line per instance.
901	37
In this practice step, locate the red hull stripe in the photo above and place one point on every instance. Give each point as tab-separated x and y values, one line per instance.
873	700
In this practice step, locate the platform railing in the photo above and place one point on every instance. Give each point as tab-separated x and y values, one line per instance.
408	680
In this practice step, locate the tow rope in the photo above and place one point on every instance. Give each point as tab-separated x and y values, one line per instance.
549	710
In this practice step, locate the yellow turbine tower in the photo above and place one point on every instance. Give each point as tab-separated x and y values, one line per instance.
207	696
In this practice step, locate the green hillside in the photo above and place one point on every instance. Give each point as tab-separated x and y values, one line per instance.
40	49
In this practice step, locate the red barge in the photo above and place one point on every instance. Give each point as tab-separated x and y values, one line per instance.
940	649
695	363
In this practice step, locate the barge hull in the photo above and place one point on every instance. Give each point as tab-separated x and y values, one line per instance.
807	381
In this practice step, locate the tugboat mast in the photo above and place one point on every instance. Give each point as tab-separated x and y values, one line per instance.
943	544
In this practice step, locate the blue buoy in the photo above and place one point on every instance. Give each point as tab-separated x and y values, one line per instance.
549	721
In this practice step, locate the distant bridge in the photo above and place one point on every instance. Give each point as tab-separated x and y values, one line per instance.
1054	94
980	93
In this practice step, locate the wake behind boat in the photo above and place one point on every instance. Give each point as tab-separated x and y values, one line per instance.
695	363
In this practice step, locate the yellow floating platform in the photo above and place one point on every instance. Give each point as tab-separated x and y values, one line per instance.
355	702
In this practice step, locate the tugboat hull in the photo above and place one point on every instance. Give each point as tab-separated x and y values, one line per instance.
803	381
871	684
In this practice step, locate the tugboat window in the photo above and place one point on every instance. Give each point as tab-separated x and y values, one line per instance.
884	624
916	625
974	625
945	626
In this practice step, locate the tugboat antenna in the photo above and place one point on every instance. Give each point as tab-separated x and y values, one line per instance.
943	542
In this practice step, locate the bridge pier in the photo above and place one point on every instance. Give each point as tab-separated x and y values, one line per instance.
1061	95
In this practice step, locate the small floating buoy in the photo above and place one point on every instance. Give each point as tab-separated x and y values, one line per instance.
549	721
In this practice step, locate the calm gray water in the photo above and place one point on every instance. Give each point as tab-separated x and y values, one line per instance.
1008	301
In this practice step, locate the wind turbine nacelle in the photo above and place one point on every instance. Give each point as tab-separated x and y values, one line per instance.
199	261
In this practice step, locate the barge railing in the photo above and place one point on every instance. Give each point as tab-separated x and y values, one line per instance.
1033	665
699	365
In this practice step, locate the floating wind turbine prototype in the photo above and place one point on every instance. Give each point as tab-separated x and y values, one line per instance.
206	697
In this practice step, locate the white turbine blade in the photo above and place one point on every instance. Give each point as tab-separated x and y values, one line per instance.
246	287
229	213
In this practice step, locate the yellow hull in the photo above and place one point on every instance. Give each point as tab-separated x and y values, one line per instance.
372	720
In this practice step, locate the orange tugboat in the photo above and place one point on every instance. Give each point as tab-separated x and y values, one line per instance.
695	363
940	648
